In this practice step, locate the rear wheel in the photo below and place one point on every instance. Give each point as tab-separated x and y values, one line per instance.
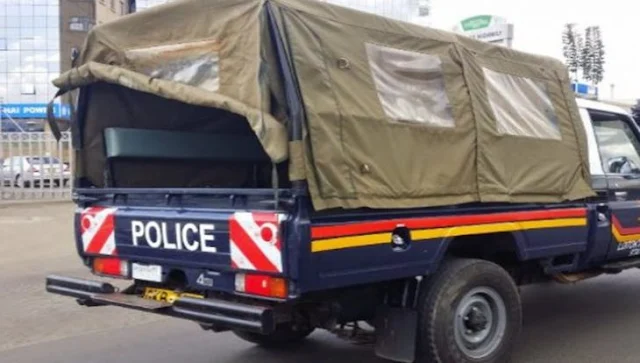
283	336
470	312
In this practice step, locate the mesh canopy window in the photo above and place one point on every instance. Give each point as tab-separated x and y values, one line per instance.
196	64
521	106
410	86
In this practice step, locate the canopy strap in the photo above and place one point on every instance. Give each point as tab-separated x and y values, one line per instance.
53	124
51	118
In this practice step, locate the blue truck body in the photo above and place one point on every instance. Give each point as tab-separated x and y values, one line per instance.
349	263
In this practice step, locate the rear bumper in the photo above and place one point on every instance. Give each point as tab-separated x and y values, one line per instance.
219	314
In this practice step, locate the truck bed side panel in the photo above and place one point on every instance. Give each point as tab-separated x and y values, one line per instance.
345	253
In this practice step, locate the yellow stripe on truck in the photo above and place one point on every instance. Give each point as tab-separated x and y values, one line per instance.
349	242
620	238
439	233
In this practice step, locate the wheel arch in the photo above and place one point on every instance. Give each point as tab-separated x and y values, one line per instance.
499	247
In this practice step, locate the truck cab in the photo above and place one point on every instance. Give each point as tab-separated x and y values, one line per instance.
614	160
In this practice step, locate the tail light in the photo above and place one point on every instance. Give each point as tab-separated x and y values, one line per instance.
111	266
261	285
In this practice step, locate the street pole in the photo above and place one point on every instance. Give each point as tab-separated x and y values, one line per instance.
613	88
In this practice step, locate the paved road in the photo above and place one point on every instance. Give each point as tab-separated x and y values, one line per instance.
46	192
591	322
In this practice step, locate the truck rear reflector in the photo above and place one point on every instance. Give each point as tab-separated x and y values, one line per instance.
111	266
261	285
255	240
97	230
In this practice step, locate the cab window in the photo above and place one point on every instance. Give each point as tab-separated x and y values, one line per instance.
617	142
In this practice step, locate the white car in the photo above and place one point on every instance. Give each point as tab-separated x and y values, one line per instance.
25	171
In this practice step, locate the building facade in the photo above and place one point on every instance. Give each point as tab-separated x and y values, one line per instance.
37	39
29	56
145	4
77	17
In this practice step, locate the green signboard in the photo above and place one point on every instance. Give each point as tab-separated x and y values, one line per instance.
476	22
487	28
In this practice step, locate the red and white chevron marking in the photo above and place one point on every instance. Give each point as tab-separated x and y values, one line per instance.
255	241
97	226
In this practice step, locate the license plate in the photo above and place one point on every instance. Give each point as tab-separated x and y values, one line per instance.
151	273
164	295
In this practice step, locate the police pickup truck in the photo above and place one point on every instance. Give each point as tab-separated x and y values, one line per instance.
275	167
194	262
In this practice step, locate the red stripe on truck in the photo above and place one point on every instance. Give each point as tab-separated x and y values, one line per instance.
352	229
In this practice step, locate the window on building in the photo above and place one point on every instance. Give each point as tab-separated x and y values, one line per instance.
13	11
80	24
28	89
13	62
13	22
26	43
40	11
3	44
40	22
53	11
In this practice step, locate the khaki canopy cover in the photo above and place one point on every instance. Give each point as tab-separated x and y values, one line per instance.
396	115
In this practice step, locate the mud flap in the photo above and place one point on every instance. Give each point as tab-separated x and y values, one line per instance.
396	330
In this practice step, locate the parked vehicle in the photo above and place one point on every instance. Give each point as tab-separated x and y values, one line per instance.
288	165
28	171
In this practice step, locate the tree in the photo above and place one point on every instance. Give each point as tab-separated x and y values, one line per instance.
597	56
579	39
586	55
570	48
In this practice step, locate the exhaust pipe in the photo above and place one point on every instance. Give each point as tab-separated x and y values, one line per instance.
575	277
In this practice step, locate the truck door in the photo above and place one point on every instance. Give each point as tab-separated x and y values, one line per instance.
618	141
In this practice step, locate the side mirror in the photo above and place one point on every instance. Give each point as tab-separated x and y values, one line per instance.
615	165
622	165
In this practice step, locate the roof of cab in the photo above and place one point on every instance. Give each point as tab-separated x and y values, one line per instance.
601	106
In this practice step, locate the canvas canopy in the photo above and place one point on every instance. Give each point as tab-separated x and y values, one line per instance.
370	112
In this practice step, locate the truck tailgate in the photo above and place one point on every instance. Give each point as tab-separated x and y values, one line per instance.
216	240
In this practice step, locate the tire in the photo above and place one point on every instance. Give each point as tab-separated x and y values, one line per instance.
284	336
469	312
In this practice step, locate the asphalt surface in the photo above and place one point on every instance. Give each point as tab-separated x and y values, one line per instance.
44	192
593	321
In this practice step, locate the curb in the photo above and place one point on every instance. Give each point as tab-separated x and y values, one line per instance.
28	202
